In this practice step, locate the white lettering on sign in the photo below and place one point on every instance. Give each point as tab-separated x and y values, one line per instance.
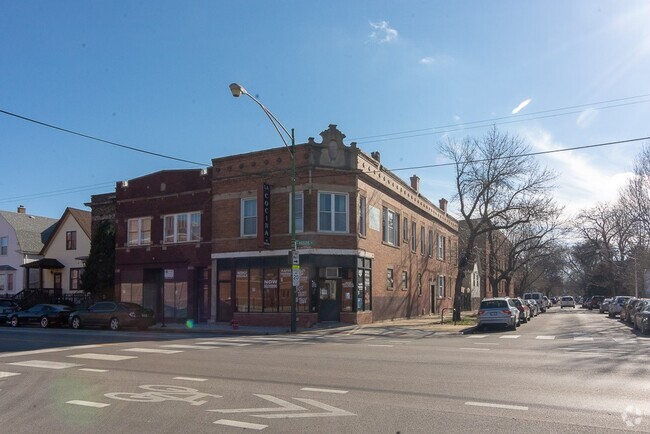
270	283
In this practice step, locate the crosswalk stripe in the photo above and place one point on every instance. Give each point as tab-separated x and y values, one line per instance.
510	337
189	347
8	374
152	350
476	336
545	337
585	339
45	364
97	356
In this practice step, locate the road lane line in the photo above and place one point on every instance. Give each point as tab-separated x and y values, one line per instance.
314	389
491	405
189	347
97	356
88	403
48	350
475	349
93	370
476	336
44	364
578	338
238	424
152	350
546	337
190	379
510	337
380	345
8	374
495	344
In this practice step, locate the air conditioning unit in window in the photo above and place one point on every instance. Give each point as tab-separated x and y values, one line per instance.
332	272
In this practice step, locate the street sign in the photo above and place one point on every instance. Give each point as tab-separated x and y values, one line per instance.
295	275
295	257
304	243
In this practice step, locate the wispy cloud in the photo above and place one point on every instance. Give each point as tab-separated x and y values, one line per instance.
581	183
427	61
522	105
382	32
586	118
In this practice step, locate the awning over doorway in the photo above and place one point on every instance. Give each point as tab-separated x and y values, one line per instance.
45	264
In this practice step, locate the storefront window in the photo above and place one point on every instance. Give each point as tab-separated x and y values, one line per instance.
285	289
241	290
255	290
271	290
363	285
302	291
175	300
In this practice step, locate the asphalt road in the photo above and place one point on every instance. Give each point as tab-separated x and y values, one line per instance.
567	370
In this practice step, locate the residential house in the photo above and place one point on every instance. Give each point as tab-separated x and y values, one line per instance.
64	254
22	237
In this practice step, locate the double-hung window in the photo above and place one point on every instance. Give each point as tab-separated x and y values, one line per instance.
422	240
430	244
362	216
4	244
332	212
181	228
300	219
441	247
71	240
390	227
249	217
414	239
139	231
405	229
441	286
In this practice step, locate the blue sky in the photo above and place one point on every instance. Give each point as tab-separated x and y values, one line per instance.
155	75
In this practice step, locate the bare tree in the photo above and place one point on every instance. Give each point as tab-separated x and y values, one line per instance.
498	187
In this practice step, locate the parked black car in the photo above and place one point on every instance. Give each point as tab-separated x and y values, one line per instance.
42	314
114	315
643	320
595	302
7	307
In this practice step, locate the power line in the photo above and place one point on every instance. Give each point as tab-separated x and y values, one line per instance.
119	145
495	121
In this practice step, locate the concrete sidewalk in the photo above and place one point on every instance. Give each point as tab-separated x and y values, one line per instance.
430	323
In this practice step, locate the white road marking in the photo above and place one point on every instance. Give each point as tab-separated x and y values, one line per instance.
314	389
330	411
546	337
577	338
8	374
238	424
487	343
152	350
190	379
510	337
476	349
230	343
491	405
380	345
264	338
189	347
400	342
47	350
93	370
88	403
97	356
44	364
284	406
625	340
476	336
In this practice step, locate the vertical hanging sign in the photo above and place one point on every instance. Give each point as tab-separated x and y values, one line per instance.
266	215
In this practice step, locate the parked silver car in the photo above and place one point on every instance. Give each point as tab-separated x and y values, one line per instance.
499	311
616	305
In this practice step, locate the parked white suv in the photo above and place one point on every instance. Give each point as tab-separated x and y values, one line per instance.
500	310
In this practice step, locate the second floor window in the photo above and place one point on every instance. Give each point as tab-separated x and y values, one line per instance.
248	217
430	244
181	228
422	244
390	227
414	240
71	240
362	215
441	247
4	244
332	212
139	231
300	216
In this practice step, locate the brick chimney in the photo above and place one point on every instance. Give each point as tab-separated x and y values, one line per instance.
376	155
443	205
415	183
21	209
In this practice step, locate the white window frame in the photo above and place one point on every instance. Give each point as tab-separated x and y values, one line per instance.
441	247
242	217
441	286
405	280
140	241
4	246
175	237
332	216
389	235
300	211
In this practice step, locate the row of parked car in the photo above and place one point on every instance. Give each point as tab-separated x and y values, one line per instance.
510	312
111	314
631	310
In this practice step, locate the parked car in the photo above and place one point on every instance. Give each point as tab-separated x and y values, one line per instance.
644	320
7	307
616	305
567	301
595	301
627	308
604	306
42	314
635	313
534	308
114	315
585	302
500	311
539	299
524	310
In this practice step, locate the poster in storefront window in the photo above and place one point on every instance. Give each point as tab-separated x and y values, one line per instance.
359	290
367	290
347	286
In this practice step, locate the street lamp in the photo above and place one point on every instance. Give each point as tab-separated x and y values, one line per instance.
238	90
